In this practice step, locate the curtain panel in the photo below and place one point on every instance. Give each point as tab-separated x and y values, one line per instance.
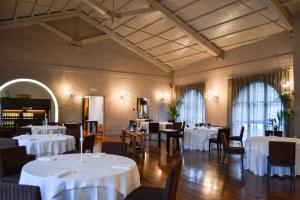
192	109
254	100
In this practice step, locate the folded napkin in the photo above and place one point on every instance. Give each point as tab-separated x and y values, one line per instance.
97	155
47	158
121	166
60	174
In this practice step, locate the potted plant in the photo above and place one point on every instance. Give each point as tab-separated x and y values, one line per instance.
174	107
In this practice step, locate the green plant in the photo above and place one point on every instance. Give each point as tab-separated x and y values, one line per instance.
174	107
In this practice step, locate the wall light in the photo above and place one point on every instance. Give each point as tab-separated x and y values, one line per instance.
163	96
211	95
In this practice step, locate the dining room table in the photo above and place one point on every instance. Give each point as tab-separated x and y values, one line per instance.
162	125
170	133
197	138
46	129
46	144
257	151
93	176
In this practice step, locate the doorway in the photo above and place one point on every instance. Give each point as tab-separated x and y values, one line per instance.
93	114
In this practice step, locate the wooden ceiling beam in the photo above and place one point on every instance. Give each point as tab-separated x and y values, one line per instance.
136	12
279	11
188	30
124	42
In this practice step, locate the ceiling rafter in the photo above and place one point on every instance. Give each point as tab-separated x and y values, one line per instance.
148	38
94	39
35	19
279	11
141	11
216	51
14	16
124	42
33	8
146	26
97	6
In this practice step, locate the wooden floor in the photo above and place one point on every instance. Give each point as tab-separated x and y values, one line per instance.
202	176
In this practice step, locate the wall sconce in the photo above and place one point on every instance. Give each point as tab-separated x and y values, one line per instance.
285	84
125	97
163	97
68	93
210	94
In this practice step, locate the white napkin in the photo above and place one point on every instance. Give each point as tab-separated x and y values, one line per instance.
48	159
97	155
121	166
60	174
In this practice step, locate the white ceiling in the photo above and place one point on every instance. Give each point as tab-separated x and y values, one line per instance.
169	33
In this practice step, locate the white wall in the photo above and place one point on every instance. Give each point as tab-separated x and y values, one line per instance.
31	52
261	57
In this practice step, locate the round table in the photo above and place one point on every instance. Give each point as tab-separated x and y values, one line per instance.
198	138
47	129
66	172
44	144
257	151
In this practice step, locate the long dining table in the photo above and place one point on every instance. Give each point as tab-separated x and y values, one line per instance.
257	151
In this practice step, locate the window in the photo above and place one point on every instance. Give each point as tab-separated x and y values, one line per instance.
252	108
192	109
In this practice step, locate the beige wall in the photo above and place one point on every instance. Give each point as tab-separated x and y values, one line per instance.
264	56
111	69
296	45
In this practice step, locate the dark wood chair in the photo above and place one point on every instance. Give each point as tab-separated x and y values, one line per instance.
171	121
181	135
218	139
276	133
170	126
73	129
116	148
153	128
167	193
23	131
7	133
54	123
11	191
88	144
228	150
11	162
8	142
238	138
282	154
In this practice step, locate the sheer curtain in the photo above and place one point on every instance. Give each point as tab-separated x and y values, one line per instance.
254	100
192	109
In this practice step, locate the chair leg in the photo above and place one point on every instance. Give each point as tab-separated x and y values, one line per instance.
242	143
242	157
209	146
218	149
223	160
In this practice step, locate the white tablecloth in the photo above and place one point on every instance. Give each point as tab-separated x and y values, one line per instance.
162	125
50	129
101	171
43	144
257	151
198	138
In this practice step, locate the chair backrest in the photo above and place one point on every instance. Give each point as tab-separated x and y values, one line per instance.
226	131
88	143
224	141
171	121
7	133
54	123
178	126
282	153
153	127
12	160
117	148
183	126
73	130
23	131
242	132
197	125
11	191
169	126
8	142
276	133
171	186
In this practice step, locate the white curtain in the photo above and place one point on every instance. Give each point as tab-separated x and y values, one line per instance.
192	109
253	107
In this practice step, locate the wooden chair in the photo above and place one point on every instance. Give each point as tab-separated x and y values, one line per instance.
276	133
116	148
238	138
23	131
282	154
167	193
8	142
218	139
54	123
88	144
10	191
171	121
73	129
7	133
153	128
11	162
231	150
